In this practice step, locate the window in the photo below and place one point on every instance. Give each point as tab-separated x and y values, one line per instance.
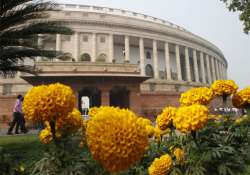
66	37
102	16
7	88
101	58
85	38
67	13
85	14
102	39
148	55
85	57
149	70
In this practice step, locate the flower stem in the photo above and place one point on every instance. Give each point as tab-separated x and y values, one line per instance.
224	100
53	131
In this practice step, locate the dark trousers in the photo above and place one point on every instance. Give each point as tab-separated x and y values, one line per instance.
15	122
18	120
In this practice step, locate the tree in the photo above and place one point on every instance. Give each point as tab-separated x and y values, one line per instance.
21	21
242	6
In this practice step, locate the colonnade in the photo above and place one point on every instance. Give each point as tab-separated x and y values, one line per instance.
209	69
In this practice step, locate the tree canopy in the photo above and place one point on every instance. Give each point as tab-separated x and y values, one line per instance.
21	21
242	6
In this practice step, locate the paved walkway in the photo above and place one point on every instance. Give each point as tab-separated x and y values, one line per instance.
4	131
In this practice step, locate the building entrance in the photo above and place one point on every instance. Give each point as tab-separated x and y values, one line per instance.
119	97
94	95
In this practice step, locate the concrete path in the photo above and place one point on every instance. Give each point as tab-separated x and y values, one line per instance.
4	131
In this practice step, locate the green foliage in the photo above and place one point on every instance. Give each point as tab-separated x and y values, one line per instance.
242	6
22	149
20	23
221	148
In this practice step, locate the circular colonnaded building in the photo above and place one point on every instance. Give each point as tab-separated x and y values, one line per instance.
120	58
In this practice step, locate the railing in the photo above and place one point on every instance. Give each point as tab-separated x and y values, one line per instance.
59	67
114	11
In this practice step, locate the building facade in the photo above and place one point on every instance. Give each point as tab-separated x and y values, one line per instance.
121	58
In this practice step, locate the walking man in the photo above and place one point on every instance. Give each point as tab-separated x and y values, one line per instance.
17	116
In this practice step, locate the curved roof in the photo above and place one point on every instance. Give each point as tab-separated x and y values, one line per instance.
140	16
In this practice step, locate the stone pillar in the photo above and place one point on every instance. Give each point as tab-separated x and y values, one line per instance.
208	69
58	42
127	50
93	57
111	48
216	68
105	96
188	72
225	72
221	70
213	69
202	67
39	45
196	70
76	46
178	62
167	61
155	59
142	56
135	100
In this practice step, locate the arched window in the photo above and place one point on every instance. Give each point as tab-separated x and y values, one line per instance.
149	70
85	57
148	55
65	57
101	58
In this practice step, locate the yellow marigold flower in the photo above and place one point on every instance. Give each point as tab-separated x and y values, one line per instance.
158	133
165	118
242	98
150	130
93	111
224	87
215	117
30	102
148	125
201	96
45	136
179	155
48	103
161	166
191	118
243	119
116	138
70	124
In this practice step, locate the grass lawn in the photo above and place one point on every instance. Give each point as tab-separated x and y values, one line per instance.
23	149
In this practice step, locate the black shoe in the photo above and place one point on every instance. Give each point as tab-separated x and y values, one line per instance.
9	133
17	133
25	131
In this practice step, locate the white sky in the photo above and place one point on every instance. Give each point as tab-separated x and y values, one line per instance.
209	19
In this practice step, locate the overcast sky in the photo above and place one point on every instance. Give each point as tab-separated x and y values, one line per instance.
209	19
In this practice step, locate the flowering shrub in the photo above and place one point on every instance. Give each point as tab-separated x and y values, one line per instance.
116	138
190	118
242	98
48	103
165	118
161	165
224	87
186	140
201	96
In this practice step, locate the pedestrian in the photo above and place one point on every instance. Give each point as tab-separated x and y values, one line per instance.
17	116
22	120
